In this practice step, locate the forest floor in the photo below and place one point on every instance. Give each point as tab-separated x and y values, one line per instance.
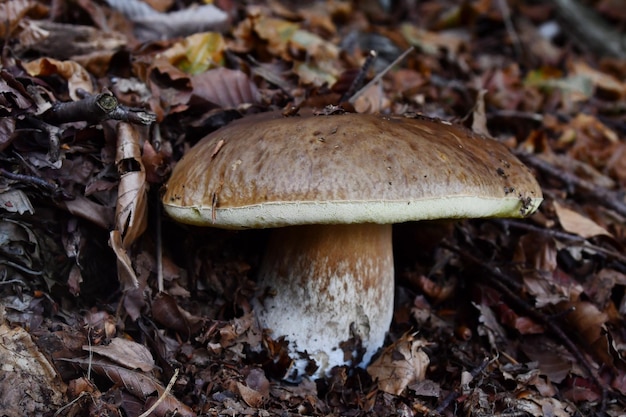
108	307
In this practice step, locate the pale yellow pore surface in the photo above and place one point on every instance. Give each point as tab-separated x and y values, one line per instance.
269	171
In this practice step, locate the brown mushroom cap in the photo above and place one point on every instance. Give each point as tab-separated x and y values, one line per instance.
269	171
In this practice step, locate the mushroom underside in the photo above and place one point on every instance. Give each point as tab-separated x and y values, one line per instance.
328	289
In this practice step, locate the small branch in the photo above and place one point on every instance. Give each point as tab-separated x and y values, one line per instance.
163	395
96	109
569	237
589	29
358	80
453	395
379	76
40	183
54	135
607	198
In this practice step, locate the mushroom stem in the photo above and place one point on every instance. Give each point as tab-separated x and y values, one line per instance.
329	290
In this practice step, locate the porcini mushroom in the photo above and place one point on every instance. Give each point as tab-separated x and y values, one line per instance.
332	185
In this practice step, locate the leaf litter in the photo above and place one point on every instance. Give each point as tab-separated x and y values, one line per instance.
127	309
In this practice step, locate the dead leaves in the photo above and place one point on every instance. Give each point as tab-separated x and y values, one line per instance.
26	370
75	75
545	96
400	364
139	384
131	214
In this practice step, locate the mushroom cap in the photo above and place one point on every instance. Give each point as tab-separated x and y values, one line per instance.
268	170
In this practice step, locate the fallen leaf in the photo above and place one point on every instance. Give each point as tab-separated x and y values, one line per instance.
16	201
400	364
75	75
139	384
131	213
256	389
29	384
225	88
125	271
574	222
127	353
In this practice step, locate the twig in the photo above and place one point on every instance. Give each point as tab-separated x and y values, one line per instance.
96	109
452	396
589	29
52	189
54	135
159	246
162	397
607	198
380	75
496	277
358	80
508	23
558	234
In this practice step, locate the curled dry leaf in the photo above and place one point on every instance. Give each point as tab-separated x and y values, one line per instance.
400	364
126	273
75	75
125	352
131	212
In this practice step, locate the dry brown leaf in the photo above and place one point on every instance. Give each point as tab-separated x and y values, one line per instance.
85	208
574	222
13	11
126	273
225	88
400	364
256	389
132	210
75	75
131	214
125	352
29	384
600	80
590	325
490	326
165	310
553	360
139	384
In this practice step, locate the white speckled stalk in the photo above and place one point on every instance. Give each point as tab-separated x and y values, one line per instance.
322	285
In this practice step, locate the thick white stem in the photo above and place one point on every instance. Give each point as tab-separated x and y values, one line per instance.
324	287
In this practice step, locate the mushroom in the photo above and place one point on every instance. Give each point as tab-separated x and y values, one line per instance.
332	186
